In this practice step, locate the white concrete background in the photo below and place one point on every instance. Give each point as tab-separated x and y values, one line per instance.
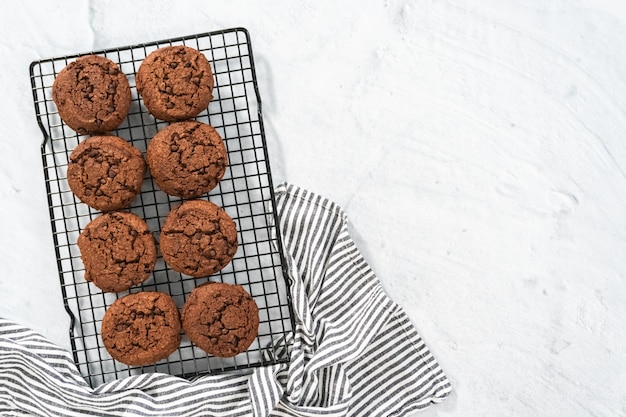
478	148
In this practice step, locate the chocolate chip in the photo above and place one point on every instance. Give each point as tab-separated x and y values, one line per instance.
157	311
110	109
174	148
103	181
87	192
112	173
90	89
98	193
212	253
168	90
120	328
133	232
169	105
214	340
173	65
195	80
198	235
187	64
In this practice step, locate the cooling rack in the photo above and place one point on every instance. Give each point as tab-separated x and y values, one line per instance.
245	192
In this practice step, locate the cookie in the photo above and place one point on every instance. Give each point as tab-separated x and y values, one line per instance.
118	251
141	328
198	238
187	159
106	172
92	95
175	83
221	319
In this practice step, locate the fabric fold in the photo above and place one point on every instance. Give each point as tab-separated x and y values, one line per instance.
353	352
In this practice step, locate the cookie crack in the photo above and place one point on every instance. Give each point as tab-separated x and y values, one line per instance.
110	165
184	69
187	147
226	321
87	90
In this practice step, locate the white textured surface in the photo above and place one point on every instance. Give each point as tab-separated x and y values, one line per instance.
477	147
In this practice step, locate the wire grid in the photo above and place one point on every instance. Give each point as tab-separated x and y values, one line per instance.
245	192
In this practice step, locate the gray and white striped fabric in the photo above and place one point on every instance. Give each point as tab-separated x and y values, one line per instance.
353	353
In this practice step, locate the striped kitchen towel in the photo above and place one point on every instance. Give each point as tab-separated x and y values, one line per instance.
354	352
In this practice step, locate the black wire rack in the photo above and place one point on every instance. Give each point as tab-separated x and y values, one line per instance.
246	193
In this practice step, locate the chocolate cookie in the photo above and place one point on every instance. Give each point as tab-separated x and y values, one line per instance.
175	83
106	172
221	319
187	159
141	328
92	95
118	251
198	238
